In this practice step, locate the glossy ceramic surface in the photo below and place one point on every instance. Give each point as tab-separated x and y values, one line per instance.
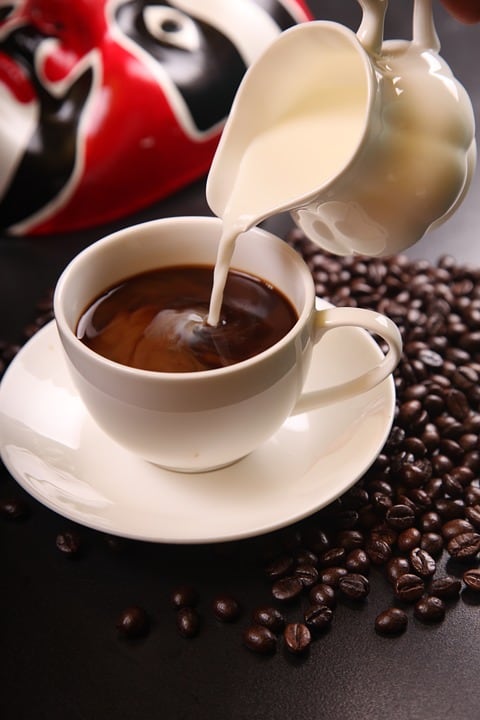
109	105
59	455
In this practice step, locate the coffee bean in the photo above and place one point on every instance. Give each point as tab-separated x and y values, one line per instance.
409	588
332	575
133	622
183	596
354	586
396	567
307	574
68	543
378	551
400	517
14	508
270	617
297	638
357	561
432	543
471	578
455	527
280	567
323	594
465	546
287	589
446	587
409	539
392	621
260	639
318	617
429	609
333	556
226	608
188	621
422	562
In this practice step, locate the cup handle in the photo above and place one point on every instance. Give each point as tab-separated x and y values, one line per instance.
376	323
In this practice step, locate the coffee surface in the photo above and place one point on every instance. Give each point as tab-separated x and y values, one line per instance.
157	320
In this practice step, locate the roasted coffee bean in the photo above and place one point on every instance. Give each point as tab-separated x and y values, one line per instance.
409	539
472	514
400	517
422	562
226	608
68	543
392	621
270	617
323	594
307	574
318	617
183	596
378	551
430	522
357	561
409	587
280	567
446	587
333	556
455	527
449	509
14	508
354	586
188	621
303	556
297	638
350	539
287	589
133	622
429	609
432	543
465	546
260	639
471	578
332	575
397	566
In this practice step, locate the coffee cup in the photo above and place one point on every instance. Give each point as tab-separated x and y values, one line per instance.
201	420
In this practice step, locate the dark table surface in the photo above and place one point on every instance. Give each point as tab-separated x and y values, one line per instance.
60	655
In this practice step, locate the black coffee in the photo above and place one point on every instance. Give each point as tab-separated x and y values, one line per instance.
157	320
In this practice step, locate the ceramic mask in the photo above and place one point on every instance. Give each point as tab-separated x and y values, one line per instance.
109	105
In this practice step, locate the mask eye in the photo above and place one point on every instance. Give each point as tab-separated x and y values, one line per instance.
171	27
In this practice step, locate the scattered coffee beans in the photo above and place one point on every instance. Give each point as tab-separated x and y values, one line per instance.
417	505
429	609
226	608
297	638
471	578
188	622
68	543
133	622
260	639
391	622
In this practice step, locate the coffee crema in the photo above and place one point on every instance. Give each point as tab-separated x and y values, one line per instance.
157	320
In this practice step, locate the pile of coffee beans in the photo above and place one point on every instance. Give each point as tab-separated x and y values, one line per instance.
413	521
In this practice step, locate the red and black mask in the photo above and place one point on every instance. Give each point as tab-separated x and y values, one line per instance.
109	105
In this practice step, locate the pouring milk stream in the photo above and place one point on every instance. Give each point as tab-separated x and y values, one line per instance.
367	143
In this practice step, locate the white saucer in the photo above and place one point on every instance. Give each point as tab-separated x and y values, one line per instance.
59	455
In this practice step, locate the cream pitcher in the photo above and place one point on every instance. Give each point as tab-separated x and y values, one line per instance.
368	143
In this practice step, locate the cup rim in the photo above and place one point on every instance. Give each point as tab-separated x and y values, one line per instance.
69	335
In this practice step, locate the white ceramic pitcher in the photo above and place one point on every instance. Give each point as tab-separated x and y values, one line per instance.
368	143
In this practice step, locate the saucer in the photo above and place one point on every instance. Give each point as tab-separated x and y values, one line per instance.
58	454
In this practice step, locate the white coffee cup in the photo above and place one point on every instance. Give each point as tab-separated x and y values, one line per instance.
197	421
